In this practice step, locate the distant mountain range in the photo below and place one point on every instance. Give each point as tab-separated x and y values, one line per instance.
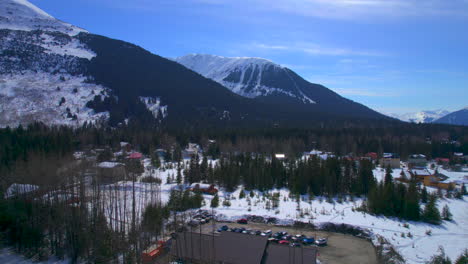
425	116
436	116
459	117
57	73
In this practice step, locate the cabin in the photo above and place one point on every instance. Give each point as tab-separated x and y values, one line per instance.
191	150
371	155
135	155
280	156
430	180
204	188
417	160
390	160
125	146
442	161
110	172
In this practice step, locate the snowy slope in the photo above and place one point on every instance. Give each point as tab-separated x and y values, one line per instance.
42	69
249	77
426	116
22	15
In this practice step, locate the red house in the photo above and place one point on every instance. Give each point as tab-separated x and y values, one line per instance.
135	155
204	188
372	155
442	160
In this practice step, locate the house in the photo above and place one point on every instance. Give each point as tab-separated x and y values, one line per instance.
431	180
125	146
236	248
204	188
161	153
417	160
442	161
135	155
434	181
110	172
191	150
280	156
371	155
390	159
17	189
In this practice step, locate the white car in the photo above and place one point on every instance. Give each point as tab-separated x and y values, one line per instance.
321	242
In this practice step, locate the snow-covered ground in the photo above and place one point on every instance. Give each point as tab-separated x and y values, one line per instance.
452	235
30	96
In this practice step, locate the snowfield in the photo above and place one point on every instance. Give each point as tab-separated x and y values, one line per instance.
29	97
451	235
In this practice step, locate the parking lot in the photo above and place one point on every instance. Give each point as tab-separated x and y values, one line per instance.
340	248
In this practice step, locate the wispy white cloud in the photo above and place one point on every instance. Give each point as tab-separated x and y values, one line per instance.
330	9
315	49
365	92
365	9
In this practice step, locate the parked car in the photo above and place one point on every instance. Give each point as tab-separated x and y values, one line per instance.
267	232
193	223
273	240
295	245
242	221
308	240
258	232
284	242
321	242
223	228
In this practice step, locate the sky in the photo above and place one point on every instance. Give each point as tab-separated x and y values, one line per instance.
395	56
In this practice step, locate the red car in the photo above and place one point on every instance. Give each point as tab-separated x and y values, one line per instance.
284	242
242	221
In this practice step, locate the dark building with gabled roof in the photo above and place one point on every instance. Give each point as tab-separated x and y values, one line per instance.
236	248
281	254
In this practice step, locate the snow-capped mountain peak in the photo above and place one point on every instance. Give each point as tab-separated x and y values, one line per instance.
247	76
426	116
22	15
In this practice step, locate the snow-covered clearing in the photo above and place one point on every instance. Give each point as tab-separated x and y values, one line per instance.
418	248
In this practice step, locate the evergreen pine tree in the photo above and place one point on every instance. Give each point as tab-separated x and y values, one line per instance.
431	214
411	210
441	258
446	214
215	201
388	175
241	194
179	174
424	195
463	258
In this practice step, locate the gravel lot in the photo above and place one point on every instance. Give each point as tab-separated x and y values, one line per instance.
341	249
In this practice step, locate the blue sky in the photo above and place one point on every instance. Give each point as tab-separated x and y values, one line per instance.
394	56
